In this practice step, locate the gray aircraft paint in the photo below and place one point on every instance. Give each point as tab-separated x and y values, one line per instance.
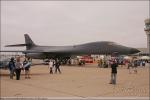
100	47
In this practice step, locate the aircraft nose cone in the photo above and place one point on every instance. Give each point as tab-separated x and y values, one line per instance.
133	50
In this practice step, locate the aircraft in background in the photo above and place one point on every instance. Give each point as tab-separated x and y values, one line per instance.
65	52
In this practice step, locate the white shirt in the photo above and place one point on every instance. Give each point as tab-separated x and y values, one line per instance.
50	64
18	65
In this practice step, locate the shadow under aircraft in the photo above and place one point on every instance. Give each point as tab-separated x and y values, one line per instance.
43	52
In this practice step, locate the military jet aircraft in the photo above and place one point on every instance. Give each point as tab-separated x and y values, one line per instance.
43	52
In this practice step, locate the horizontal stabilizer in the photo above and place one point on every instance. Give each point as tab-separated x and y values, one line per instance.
16	45
23	51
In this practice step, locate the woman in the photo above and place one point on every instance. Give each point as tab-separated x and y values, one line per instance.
26	65
18	67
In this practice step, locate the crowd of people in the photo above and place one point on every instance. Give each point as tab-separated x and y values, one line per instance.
114	62
102	63
54	64
15	66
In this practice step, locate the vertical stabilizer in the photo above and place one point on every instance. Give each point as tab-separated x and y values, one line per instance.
29	42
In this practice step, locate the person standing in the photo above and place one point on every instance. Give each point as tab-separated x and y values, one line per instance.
129	66
18	67
57	65
135	66
11	67
100	63
114	66
26	65
26	68
143	63
51	64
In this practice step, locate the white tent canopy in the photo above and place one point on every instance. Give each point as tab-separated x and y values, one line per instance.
145	57
128	57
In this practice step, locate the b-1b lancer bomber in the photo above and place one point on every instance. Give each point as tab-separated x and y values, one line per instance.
42	52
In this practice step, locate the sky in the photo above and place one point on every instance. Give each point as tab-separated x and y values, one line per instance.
74	22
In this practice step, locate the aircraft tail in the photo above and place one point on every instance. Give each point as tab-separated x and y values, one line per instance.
28	43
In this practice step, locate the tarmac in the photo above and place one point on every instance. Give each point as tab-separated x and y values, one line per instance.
78	82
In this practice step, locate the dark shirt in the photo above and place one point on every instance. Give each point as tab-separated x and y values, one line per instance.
24	63
11	65
18	65
114	68
57	64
